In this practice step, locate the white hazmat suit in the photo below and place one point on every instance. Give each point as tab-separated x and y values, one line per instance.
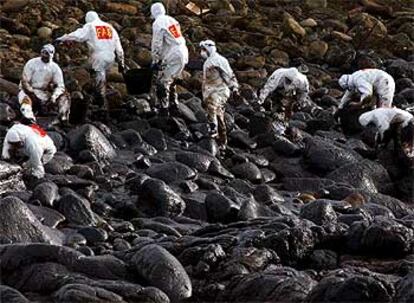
169	50
367	82
218	82
43	81
290	80
383	118
36	144
104	47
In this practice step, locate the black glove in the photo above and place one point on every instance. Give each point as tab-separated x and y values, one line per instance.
56	42
337	115
121	68
155	66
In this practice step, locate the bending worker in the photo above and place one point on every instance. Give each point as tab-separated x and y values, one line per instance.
218	82
104	47
366	83
42	86
292	83
33	142
398	121
169	56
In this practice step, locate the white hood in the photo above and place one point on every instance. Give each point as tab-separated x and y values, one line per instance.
157	9
91	16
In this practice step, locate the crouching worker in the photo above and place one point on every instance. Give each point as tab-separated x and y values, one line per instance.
366	83
42	88
218	82
34	143
293	84
391	123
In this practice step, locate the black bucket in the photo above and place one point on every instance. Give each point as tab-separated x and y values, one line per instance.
138	81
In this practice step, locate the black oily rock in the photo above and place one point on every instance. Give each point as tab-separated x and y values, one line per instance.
157	199
47	193
198	161
365	175
19	225
10	178
11	295
76	209
292	244
283	285
156	138
162	270
59	165
351	289
47	216
80	293
405	289
384	237
88	137
248	171
321	259
7	114
322	156
267	195
220	208
94	235
319	212
280	144
241	139
250	209
171	172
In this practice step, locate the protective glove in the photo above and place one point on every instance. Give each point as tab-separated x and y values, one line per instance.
121	68
53	99
56	42
155	66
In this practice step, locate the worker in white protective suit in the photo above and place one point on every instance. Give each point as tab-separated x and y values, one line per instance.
169	56
104	47
218	83
398	123
42	87
366	83
33	142
294	86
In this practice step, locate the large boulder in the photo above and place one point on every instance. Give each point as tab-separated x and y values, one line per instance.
19	225
383	236
319	212
171	172
88	137
76	209
220	208
158	199
161	269
277	285
365	175
198	161
322	156
46	193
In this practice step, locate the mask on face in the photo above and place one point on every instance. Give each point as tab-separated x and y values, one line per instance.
204	54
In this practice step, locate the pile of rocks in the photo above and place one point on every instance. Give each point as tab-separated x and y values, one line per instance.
145	210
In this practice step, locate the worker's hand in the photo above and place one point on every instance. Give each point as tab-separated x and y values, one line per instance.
155	66
121	68
53	99
235	92
56	42
337	115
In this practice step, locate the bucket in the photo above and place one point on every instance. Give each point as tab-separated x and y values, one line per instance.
138	81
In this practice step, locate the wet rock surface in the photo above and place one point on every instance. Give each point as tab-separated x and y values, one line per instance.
143	208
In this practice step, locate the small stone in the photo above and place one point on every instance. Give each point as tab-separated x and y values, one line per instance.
309	23
318	49
316	3
44	32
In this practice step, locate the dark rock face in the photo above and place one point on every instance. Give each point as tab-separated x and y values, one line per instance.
76	210
158	199
91	139
19	224
163	270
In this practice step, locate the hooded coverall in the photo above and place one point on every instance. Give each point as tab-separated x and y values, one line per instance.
366	82
37	145
291	81
401	121
218	82
43	81
168	49
104	47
